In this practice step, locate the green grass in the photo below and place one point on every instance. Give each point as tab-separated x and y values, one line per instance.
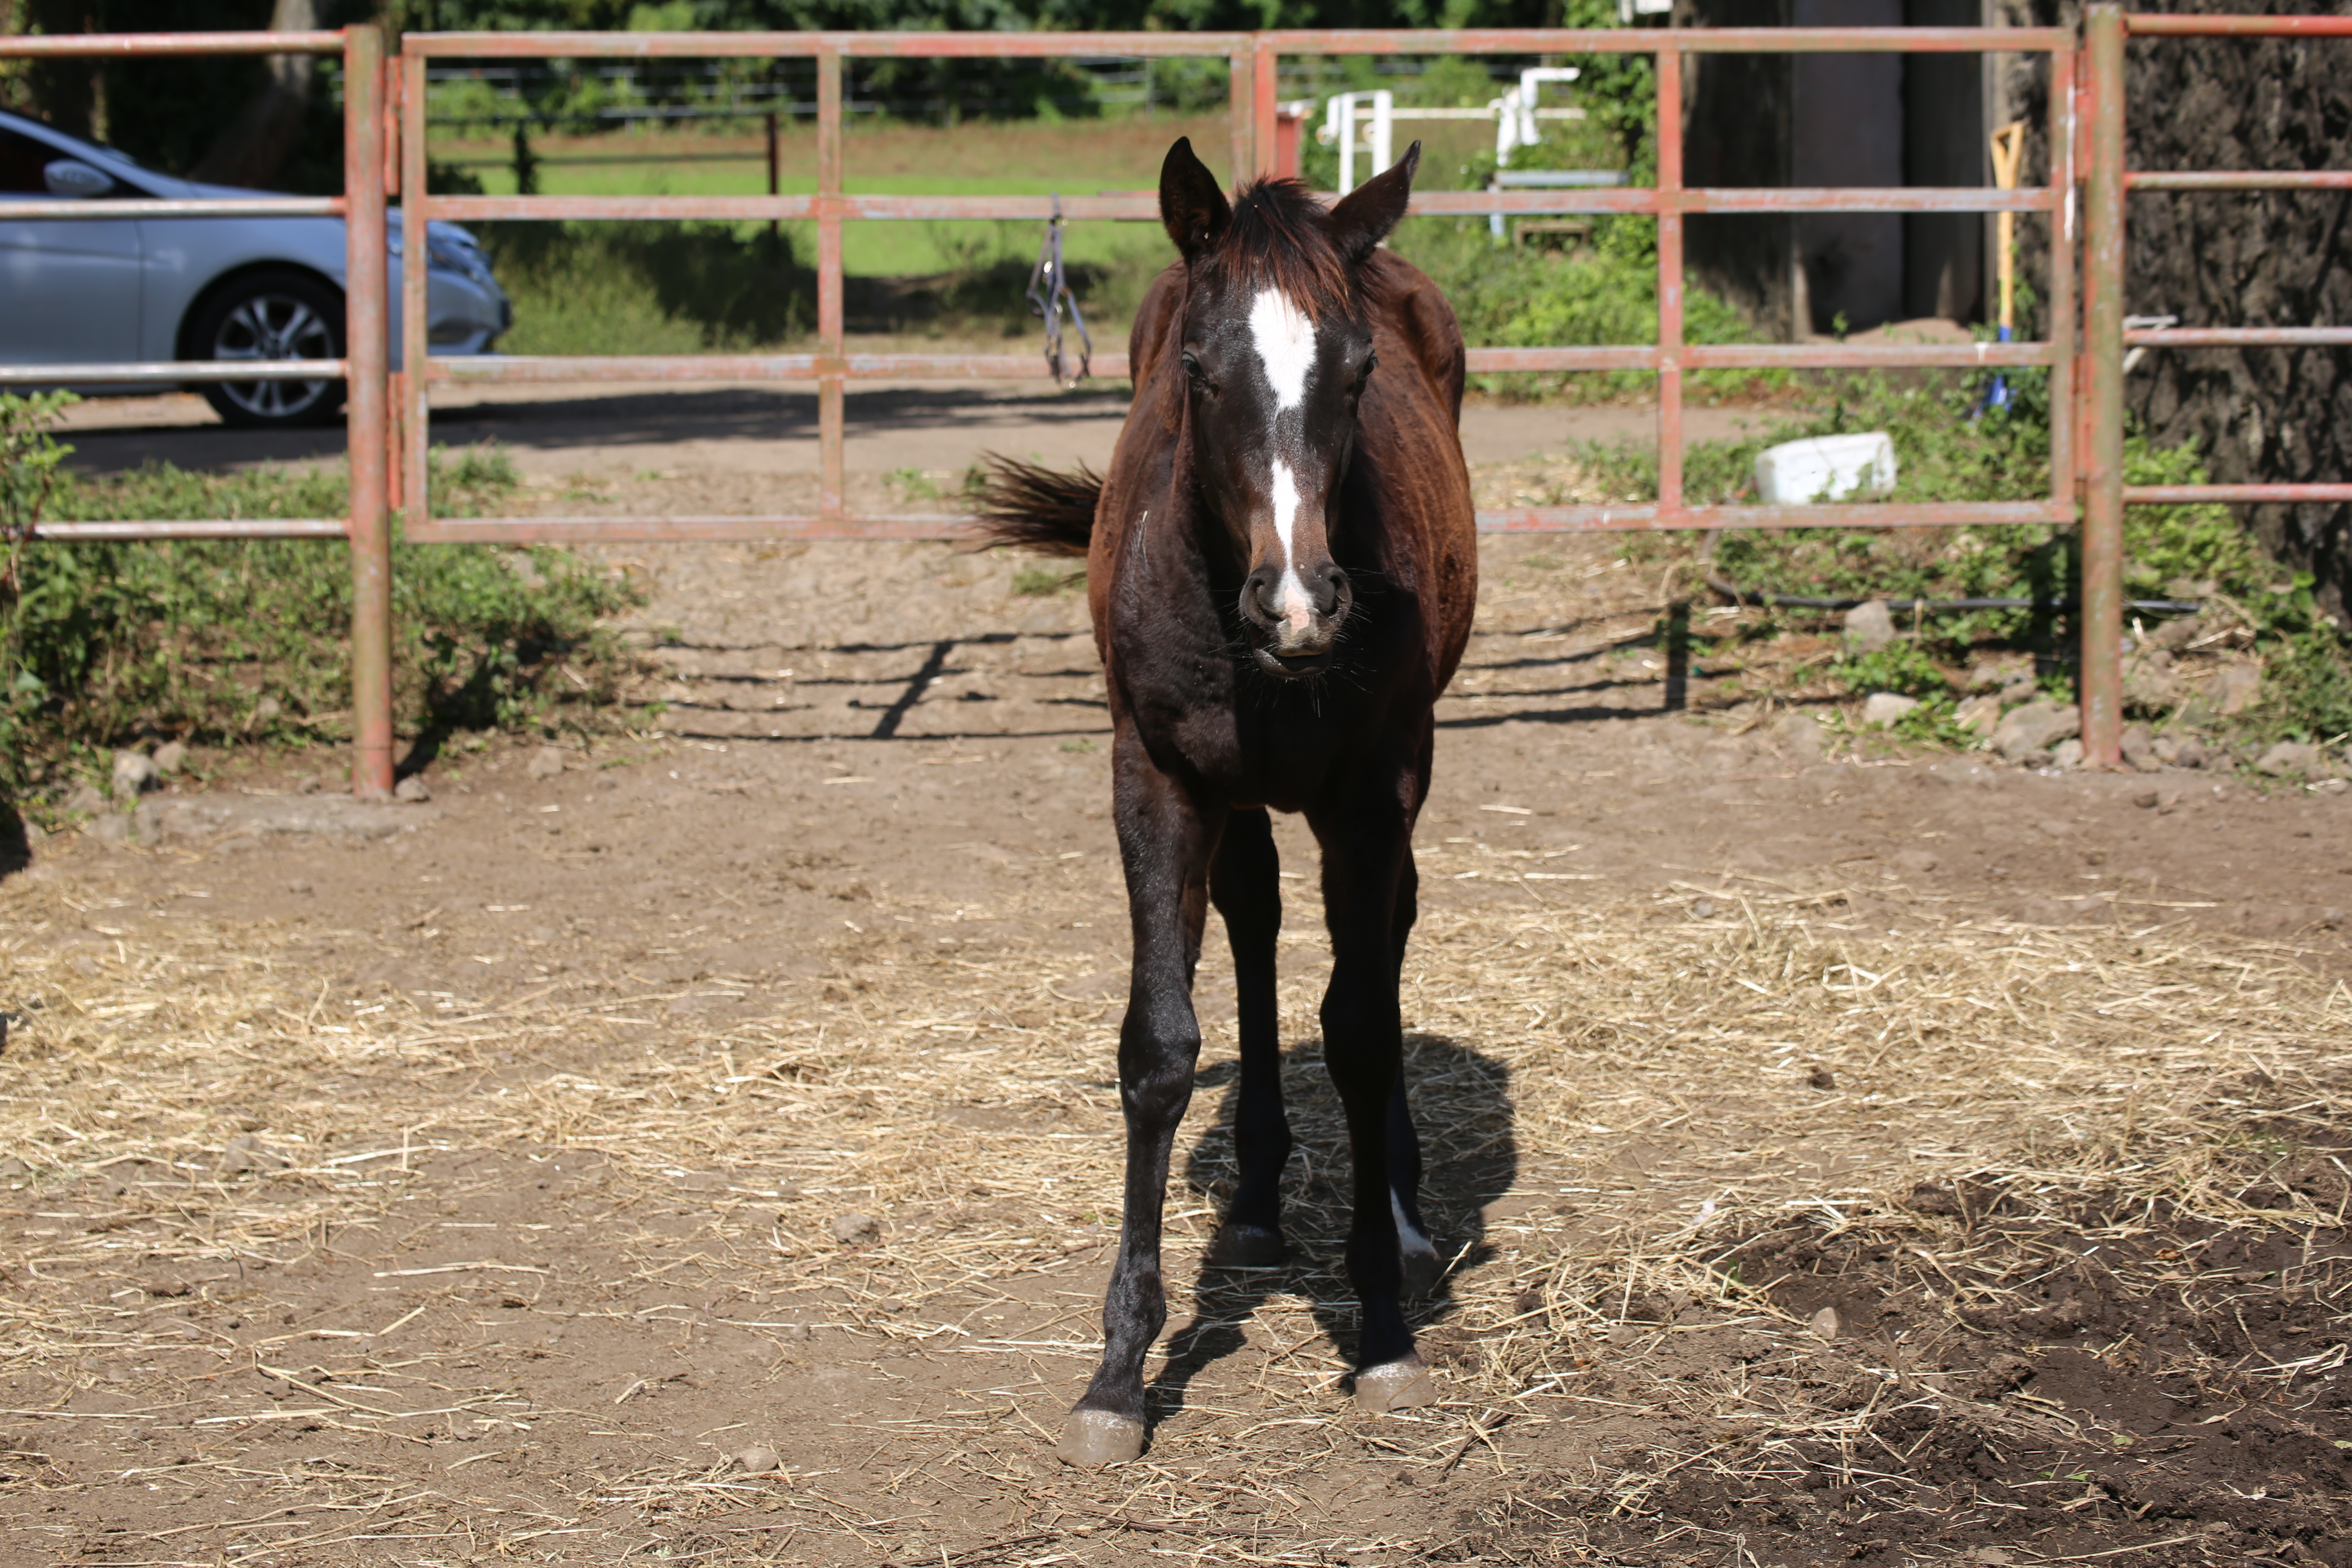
219	641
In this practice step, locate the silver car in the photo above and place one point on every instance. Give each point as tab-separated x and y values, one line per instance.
103	291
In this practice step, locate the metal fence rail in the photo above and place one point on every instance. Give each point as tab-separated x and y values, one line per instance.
389	416
1252	60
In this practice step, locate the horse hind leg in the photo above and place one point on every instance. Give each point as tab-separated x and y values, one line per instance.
1243	883
1417	1258
1363	877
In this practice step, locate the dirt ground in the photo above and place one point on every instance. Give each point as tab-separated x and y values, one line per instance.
704	1150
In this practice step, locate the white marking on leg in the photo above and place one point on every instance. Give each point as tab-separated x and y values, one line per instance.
1408	1239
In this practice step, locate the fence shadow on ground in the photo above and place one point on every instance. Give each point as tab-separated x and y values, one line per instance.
1461	1105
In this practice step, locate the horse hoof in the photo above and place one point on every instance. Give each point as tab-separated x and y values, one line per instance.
1420	1272
1093	1438
1245	1246
1395	1385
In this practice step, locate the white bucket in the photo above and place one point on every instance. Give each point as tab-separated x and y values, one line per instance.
1826	467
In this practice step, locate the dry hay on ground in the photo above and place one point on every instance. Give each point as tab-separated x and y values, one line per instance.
2046	1179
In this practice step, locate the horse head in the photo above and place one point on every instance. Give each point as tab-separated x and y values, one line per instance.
1276	353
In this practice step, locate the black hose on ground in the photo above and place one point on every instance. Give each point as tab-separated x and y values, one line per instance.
1739	595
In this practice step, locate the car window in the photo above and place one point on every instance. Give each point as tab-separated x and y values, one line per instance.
22	159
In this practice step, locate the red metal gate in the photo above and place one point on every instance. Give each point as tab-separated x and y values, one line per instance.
363	368
2100	398
389	412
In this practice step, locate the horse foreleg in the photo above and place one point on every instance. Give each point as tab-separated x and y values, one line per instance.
1416	1253
1164	840
1366	850
1245	886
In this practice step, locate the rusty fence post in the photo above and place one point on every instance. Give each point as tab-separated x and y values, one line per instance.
831	421
2061	328
1263	92
1668	200
2103	309
415	425
366	353
1241	111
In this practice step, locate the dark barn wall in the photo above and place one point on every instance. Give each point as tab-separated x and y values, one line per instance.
1736	128
1847	130
1944	144
2238	260
1836	120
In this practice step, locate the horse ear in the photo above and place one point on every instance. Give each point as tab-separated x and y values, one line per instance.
1366	215
1192	209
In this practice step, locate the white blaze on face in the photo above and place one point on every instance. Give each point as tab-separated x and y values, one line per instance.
1284	339
1290	595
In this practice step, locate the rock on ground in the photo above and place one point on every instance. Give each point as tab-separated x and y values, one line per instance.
1869	626
2035	727
2290	759
134	773
1881	709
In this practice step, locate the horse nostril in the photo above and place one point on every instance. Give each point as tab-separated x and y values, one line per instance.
1330	590
1257	595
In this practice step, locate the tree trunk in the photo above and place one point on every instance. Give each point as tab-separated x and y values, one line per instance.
253	148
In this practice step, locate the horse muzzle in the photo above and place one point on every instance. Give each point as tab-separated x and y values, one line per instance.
1295	616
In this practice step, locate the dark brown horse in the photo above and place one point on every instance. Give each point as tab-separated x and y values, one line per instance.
1282	565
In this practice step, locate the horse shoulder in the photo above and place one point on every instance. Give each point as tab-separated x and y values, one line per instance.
1418	425
1417	312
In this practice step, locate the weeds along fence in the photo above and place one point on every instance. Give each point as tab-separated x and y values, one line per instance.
389	412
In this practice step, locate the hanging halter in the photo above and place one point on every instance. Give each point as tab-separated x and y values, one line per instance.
1049	295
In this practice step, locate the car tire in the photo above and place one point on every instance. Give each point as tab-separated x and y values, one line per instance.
272	314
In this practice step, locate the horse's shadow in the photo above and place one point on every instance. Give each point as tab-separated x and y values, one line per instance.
1462	1107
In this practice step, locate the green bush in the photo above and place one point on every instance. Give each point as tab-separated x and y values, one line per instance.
221	640
1509	297
648	288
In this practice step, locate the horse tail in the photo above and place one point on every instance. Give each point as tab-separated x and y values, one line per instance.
1038	508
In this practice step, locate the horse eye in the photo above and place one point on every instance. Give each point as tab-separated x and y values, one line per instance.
1372	363
1200	377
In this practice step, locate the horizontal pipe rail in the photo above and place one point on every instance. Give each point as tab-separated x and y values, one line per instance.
482	368
659	530
1861	514
1145	208
89	209
79	45
171	372
1310	41
2237	337
1650	41
789	46
2158	24
958	525
2234	495
2239	180
557	368
208	528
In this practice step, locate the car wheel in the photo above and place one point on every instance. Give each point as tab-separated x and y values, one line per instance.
271	315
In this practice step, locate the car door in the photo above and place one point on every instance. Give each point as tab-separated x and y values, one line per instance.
69	288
